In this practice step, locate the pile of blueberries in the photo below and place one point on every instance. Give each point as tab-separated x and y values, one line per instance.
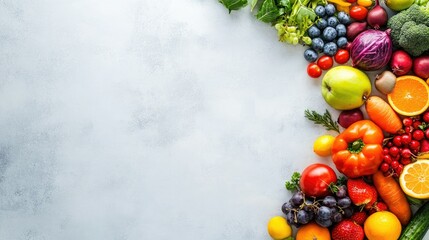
328	33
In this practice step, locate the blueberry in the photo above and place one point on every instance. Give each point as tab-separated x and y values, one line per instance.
330	49
320	11
310	55
329	34
313	32
330	9
321	23
332	21
344	18
317	44
342	42
341	30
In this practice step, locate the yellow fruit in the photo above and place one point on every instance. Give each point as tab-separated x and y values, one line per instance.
313	231
365	3
382	225
323	145
414	179
278	228
410	96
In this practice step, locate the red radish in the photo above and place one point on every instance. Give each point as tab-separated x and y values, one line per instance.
421	67
377	16
354	29
401	63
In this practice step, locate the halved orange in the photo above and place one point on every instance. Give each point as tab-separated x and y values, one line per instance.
410	96
414	179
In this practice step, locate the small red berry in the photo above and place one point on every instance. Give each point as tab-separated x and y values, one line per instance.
406	153
385	150
394	164
414	145
397	141
405	161
416	124
418	134
394	151
399	169
426	117
407	122
387	159
406	139
384	167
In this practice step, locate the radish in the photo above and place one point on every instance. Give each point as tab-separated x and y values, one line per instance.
421	67
377	16
401	63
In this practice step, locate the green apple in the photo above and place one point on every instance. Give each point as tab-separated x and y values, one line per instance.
345	87
398	5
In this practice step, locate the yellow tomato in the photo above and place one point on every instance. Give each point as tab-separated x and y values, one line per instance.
365	3
323	145
382	225
278	228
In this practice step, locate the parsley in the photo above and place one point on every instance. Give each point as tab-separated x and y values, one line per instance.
293	184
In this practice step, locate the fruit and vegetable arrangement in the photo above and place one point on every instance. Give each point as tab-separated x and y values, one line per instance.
372	60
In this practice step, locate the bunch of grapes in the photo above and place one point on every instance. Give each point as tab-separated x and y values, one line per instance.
328	34
403	147
325	211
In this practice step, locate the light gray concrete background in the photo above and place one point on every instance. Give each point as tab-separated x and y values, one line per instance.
131	119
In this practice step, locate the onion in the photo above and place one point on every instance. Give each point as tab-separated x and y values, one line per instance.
348	117
377	16
371	50
401	63
421	67
354	29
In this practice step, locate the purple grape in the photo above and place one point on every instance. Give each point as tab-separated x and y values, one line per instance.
324	212
337	217
287	206
329	201
344	202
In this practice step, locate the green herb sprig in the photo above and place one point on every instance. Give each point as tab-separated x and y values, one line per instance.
324	120
293	183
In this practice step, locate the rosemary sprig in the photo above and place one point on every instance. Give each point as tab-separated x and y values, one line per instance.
325	119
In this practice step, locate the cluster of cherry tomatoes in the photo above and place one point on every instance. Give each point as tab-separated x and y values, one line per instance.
325	62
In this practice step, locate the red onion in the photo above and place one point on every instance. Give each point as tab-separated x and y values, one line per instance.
421	67
354	29
348	117
377	16
401	63
371	50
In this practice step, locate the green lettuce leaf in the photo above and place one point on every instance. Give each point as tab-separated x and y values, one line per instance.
233	4
269	11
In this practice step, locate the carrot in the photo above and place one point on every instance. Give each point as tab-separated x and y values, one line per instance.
380	112
390	191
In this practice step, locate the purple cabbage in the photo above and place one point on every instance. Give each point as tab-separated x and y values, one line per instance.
371	50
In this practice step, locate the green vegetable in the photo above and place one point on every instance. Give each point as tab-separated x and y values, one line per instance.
293	184
269	11
418	225
325	119
233	4
410	28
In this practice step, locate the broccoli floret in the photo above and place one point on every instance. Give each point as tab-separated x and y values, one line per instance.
414	38
409	29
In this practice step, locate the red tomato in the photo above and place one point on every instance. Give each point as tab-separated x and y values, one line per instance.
358	13
313	70
342	56
325	62
315	180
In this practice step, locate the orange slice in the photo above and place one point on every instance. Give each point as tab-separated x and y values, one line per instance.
414	179
410	96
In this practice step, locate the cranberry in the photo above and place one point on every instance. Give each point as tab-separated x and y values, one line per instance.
399	169
406	153
394	151
385	150
406	139
387	159
407	129
407	122
405	161
416	124
418	134
426	117
414	145
397	141
384	167
394	164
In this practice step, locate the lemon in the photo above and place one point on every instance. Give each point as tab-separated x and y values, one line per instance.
414	179
322	145
278	228
382	225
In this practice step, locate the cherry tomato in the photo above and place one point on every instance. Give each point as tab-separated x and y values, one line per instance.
325	62
358	13
342	56
313	70
315	180
351	1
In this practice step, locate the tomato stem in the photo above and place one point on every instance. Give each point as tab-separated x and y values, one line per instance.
356	146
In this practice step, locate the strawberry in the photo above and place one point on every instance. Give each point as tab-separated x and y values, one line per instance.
359	217
361	193
347	230
378	207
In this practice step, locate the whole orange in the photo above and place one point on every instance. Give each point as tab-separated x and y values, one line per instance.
382	225
313	231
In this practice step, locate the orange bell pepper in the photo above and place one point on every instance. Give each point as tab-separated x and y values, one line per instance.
358	150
